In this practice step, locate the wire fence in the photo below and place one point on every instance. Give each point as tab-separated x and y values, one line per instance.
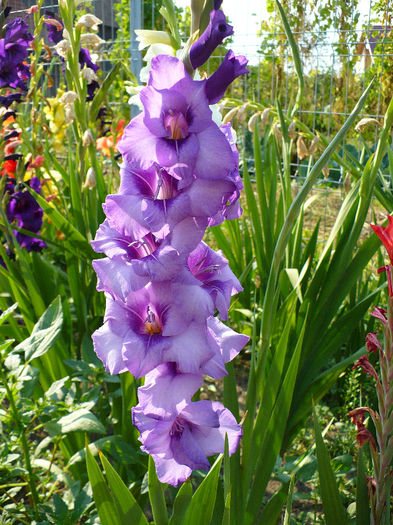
342	44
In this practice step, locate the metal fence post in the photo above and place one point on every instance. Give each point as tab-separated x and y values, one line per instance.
135	23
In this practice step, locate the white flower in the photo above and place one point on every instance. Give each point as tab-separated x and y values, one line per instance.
89	75
69	113
68	97
89	21
364	122
91	40
63	48
147	37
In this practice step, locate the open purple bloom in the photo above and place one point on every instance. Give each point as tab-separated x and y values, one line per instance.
23	210
180	434
54	27
211	268
176	129
231	67
154	325
86	61
212	37
13	52
7	100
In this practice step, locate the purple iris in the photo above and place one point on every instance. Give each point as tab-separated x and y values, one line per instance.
212	37
54	28
180	434
13	53
176	129
23	209
211	268
231	67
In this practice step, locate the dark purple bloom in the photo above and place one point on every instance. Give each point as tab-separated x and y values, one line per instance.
176	130
217	4
211	268
86	61
211	38
13	52
180	434
54	27
7	100
91	90
23	210
231	68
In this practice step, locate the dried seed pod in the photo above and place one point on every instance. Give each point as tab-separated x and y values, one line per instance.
277	131
326	171
292	130
364	122
313	148
301	148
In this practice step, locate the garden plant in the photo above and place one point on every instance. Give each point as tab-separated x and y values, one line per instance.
172	323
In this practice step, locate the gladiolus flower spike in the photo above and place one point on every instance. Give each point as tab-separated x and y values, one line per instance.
163	284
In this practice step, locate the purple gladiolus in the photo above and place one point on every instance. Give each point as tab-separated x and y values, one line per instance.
180	434
7	100
211	38
176	130
54	28
212	269
231	68
23	210
86	61
13	52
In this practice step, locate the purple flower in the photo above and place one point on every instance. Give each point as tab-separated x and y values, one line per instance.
154	325
180	434
176	130
211	38
86	61
23	209
7	100
231	68
54	27
13	52
212	269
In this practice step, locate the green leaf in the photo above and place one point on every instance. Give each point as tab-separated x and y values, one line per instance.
101	93
106	508
362	503
331	500
181	503
273	509
44	333
156	496
81	420
5	315
201	508
287	516
129	510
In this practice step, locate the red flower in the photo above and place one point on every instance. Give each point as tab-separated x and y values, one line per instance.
385	233
373	344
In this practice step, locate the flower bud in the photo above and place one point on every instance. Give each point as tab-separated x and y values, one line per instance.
69	114
89	21
147	37
68	97
347	185
277	131
87	138
89	75
253	120
230	115
91	40
326	171
242	113
265	116
90	181
63	48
